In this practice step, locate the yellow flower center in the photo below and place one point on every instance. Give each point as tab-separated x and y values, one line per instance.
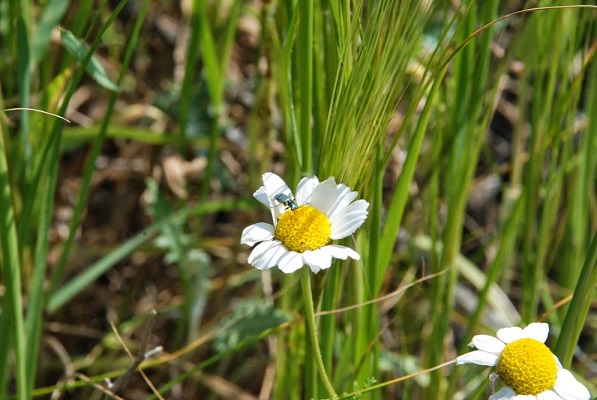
305	228
528	367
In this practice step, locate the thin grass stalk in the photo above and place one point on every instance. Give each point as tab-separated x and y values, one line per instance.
312	331
290	356
85	8
434	204
312	385
10	80
36	293
322	62
375	232
358	340
327	324
12	317
24	79
305	76
5	322
190	68
5	345
579	307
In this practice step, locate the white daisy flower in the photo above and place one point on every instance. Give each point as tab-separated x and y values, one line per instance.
529	370
304	226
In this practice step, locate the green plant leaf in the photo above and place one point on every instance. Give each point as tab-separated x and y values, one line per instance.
79	50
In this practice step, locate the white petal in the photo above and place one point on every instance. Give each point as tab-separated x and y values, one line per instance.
260	249
505	393
290	262
548	395
343	198
266	254
271	257
325	195
340	252
274	184
478	357
349	219
304	190
508	335
257	233
318	259
525	397
488	344
569	388
261	195
537	331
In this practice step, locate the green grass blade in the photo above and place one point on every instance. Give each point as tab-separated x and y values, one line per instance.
24	77
579	307
36	293
213	69
5	344
189	74
11	269
305	77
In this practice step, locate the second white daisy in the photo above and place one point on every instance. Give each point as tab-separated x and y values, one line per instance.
525	364
304	226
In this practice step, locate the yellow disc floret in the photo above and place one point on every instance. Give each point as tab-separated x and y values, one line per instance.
305	228
528	367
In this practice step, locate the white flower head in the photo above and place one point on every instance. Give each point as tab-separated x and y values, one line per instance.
526	366
304	226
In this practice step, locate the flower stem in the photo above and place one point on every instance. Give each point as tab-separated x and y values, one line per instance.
310	317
